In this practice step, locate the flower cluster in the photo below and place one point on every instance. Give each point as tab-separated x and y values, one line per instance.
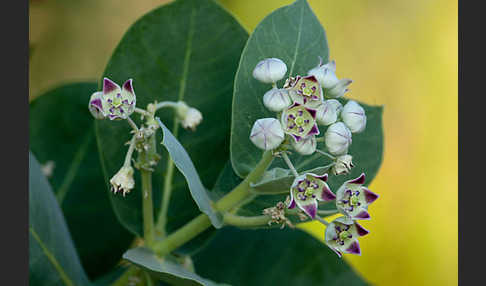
304	103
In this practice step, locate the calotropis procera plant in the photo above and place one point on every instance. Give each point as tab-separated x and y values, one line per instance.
256	135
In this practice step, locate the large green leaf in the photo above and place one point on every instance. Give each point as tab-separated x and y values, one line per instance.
183	162
164	269
52	257
61	130
272	257
293	34
186	50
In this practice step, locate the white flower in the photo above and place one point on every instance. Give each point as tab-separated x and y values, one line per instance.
270	70
328	112
267	133
354	116
190	117
325	74
338	138
123	180
306	146
343	165
339	89
276	99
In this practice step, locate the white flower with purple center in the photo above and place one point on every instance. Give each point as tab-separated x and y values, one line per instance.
299	122
342	236
96	105
306	190
118	103
354	116
338	138
306	90
267	133
353	198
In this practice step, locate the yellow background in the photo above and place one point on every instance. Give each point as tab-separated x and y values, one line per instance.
400	54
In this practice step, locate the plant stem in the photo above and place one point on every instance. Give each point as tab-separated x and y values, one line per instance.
326	154
323	221
169	175
142	111
147	203
289	163
327	212
202	222
123	279
132	124
243	221
166	104
128	157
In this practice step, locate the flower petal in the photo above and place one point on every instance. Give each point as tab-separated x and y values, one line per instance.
362	215
370	196
109	86
359	180
354	248
325	194
360	230
309	207
128	87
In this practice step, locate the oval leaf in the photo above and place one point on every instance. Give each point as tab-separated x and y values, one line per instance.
52	257
292	34
183	162
164	269
272	257
61	132
186	50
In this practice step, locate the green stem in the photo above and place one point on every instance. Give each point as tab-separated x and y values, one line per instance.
162	219
123	280
243	221
202	222
289	163
327	212
166	104
326	154
147	203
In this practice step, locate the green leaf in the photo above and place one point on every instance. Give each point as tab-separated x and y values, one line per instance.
292	34
186	50
165	270
183	162
61	131
52	257
272	257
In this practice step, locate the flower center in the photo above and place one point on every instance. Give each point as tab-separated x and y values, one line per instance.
350	200
117	100
309	191
342	233
299	121
307	91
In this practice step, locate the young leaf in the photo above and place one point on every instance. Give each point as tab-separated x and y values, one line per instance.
61	132
183	162
165	270
52	257
272	257
292	34
186	50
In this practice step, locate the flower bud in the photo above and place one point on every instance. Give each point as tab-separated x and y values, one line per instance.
118	103
190	117
325	74
306	146
276	99
270	70
339	89
343	165
354	116
328	111
123	180
337	138
95	105
267	133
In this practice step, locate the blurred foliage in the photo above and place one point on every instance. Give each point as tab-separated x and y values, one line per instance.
401	54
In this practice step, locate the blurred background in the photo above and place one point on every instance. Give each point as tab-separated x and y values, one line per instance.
400	54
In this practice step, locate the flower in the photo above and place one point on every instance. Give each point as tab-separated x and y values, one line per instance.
306	146
276	99
190	117
325	74
306	91
328	112
342	234
267	133
118	103
343	165
354	116
123	180
306	190
95	105
270	70
353	198
299	121
339	89
337	138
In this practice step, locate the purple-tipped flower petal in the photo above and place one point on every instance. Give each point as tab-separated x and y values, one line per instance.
118	103
342	234
95	105
353	199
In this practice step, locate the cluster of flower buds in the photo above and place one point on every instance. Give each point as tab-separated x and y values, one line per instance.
113	102
303	103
